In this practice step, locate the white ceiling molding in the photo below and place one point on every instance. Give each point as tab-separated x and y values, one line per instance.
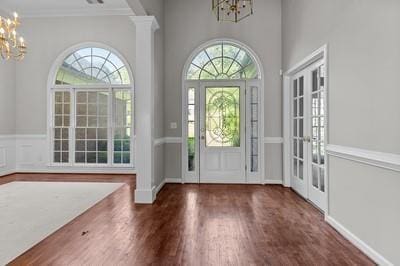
137	7
79	12
51	8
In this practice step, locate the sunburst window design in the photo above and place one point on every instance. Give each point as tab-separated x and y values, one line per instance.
92	66
222	61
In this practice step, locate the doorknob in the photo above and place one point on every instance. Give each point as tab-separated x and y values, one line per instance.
202	137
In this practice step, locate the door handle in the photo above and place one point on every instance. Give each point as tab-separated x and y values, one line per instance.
202	137
307	139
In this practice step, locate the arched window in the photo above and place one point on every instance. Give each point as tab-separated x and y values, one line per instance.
92	109
221	78
222	60
92	66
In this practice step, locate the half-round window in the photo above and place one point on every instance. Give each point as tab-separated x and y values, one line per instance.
92	66
222	61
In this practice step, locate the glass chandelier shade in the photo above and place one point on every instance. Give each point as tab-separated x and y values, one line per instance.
12	45
232	10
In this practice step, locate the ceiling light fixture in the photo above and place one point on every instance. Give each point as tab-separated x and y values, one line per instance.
11	44
232	10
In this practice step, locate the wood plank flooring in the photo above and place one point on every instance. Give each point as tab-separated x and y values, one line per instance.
193	225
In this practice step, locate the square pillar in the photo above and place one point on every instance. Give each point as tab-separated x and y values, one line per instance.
144	108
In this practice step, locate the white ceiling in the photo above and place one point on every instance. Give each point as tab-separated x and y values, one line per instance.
43	8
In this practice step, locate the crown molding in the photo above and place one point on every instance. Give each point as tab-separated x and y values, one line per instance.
149	20
78	13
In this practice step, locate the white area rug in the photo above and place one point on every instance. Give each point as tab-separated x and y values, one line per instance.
31	211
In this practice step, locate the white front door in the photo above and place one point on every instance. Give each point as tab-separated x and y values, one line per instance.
222	132
308	134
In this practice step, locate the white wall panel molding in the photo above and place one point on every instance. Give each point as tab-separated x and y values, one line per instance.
7	154
273	140
173	140
364	247
7	137
167	140
158	142
384	160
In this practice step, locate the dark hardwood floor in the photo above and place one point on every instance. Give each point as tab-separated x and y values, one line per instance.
193	225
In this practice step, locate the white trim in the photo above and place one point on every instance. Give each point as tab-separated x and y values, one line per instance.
92	12
273	182
7	172
146	20
196	83
7	137
76	170
158	142
384	160
160	186
273	140
364	247
145	196
51	86
24	137
169	140
173	180
320	53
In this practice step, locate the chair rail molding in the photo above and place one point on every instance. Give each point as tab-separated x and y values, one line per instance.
384	160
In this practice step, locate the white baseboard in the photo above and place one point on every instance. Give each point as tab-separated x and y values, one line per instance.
145	196
273	182
77	170
4	173
173	180
370	252
160	186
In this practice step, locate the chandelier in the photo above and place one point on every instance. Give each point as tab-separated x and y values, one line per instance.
232	10
11	45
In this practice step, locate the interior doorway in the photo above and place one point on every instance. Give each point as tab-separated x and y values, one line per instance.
306	94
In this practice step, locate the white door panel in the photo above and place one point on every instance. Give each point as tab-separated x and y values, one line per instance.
222	132
308	134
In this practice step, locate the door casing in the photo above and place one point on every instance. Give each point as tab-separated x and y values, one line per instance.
321	55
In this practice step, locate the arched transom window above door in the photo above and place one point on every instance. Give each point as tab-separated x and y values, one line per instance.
222	61
92	66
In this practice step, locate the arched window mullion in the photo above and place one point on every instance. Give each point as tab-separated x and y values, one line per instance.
202	69
234	60
211	63
105	61
77	61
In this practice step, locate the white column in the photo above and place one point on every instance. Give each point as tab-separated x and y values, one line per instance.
144	107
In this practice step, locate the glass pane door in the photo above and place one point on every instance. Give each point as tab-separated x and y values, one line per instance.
222	132
223	117
317	184
298	145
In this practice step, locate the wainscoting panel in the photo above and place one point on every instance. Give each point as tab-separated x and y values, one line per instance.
7	154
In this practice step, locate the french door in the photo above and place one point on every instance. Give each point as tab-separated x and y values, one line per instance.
308	134
222	132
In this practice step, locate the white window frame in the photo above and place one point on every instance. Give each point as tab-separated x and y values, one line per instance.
52	87
194	176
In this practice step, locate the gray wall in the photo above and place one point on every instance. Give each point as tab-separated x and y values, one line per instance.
33	72
190	23
7	94
7	97
364	40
